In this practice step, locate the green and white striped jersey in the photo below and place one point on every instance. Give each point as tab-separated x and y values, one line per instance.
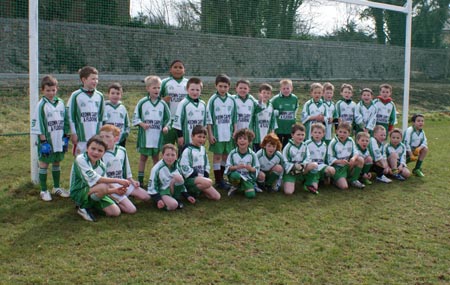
117	115
386	112
86	113
318	152
221	115
248	158
413	138
338	150
376	149
51	119
345	110
176	90
157	115
310	109
117	163
287	107
189	114
265	122
246	108
400	149
161	176
194	158
331	113
267	163
366	116
83	176
293	154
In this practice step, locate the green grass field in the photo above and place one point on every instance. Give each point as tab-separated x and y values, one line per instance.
386	234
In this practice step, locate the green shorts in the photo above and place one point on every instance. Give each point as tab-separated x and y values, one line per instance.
191	187
83	200
235	179
293	178
221	147
54	157
148	151
341	172
170	137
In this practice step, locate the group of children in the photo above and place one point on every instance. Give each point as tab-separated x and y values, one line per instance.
257	144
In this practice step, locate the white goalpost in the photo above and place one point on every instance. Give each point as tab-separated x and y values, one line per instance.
33	41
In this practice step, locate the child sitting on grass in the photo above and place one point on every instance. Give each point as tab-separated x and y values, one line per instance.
118	166
396	155
271	161
242	165
298	166
194	165
166	184
342	155
89	186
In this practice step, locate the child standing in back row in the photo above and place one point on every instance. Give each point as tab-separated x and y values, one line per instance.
328	92
286	104
116	113
345	108
221	120
173	91
51	124
314	110
190	112
86	107
265	121
386	111
246	105
152	116
365	112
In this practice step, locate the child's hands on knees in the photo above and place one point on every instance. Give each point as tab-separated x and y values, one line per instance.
160	204
191	199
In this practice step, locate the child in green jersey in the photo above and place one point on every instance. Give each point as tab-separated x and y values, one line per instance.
116	113
51	124
286	105
416	143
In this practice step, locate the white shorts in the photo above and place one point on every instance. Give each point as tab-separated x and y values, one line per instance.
119	198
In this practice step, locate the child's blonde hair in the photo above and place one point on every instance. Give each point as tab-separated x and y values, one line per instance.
286	82
362	135
386	86
318	126
315	86
152	80
168	146
272	139
346	85
328	86
111	129
378	128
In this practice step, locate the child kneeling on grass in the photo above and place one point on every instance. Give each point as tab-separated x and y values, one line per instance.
166	185
272	162
89	187
242	165
298	166
118	166
194	165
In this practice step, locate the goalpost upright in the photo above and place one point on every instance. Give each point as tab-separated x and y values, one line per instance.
33	77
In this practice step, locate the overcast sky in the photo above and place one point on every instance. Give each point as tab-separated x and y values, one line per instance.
326	15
